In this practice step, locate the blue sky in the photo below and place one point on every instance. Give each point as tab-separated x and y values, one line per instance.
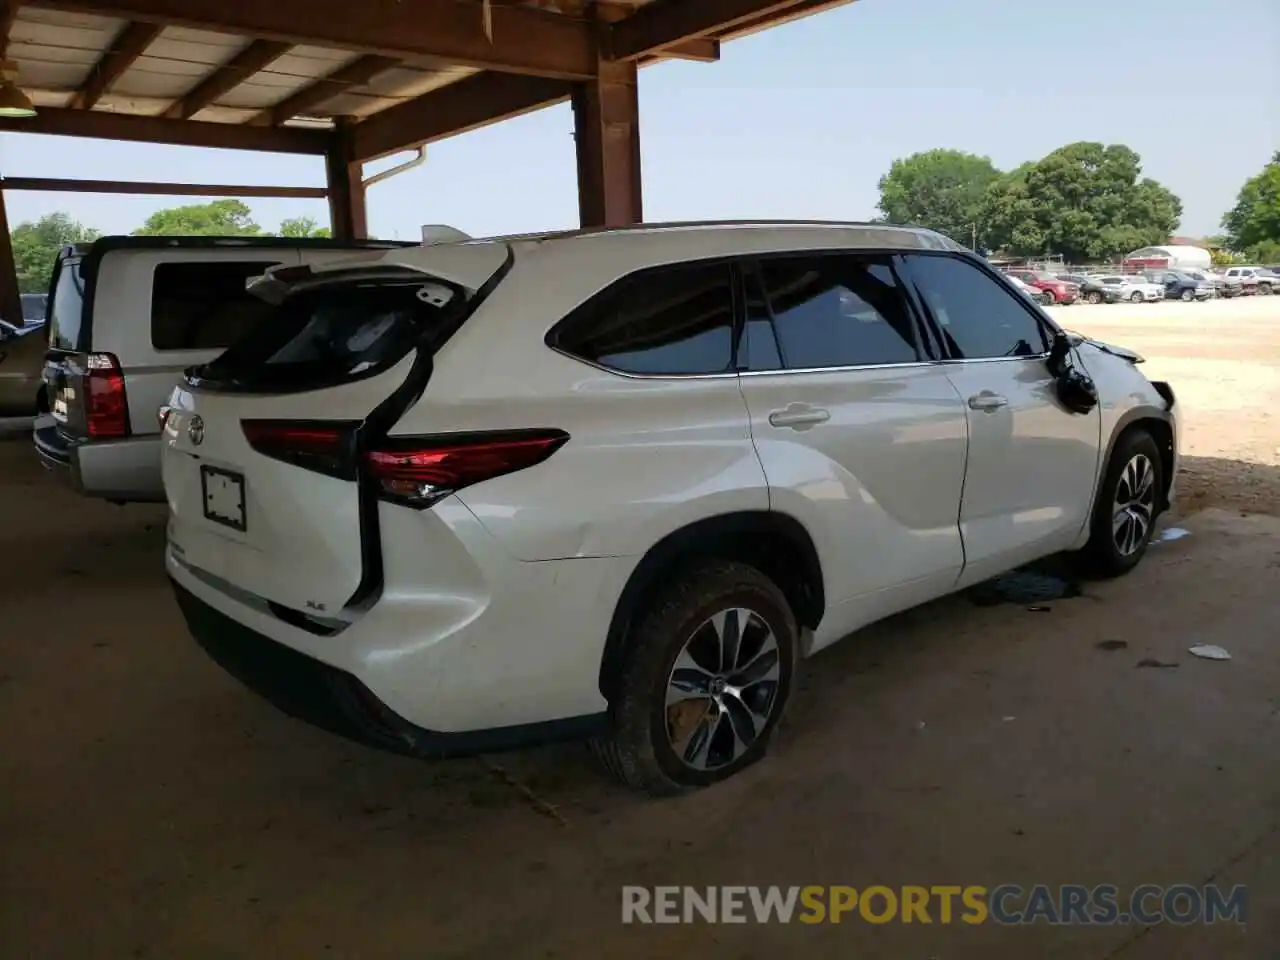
801	121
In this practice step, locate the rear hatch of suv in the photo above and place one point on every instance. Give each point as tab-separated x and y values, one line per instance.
266	450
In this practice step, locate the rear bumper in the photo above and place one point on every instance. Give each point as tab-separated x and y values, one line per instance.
122	470
334	700
465	645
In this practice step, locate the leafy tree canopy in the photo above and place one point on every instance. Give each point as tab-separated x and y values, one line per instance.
220	218
1255	219
303	227
1085	201
36	246
943	190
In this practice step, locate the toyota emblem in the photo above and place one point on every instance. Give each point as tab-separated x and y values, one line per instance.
195	430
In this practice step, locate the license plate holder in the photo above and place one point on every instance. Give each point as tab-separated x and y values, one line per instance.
222	494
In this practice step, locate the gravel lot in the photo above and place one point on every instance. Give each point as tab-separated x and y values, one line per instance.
150	807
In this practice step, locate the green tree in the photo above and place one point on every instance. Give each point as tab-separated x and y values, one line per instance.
1085	201
939	189
1255	219
303	227
221	218
36	246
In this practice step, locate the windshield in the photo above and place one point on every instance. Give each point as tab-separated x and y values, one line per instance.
66	311
335	332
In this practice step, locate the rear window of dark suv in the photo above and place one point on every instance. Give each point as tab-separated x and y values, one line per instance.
334	333
66	311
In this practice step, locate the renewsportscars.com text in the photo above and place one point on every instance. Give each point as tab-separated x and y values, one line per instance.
1009	904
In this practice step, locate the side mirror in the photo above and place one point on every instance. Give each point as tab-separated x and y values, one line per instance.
1059	351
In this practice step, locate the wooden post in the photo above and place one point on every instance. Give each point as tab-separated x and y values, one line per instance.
348	216
10	298
606	130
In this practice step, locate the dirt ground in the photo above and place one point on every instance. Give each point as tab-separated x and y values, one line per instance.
150	807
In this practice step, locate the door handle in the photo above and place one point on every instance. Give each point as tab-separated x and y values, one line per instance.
799	416
987	401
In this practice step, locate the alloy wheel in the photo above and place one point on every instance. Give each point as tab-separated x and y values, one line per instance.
722	689
1134	505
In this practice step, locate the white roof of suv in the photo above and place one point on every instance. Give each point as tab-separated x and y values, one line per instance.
464	260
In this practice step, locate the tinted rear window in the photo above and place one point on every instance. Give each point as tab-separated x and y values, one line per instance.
33	307
334	333
67	309
204	305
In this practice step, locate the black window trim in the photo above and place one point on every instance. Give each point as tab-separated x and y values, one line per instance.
1046	324
929	345
736	305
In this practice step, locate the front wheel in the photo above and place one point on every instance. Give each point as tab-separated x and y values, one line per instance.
1093	296
703	683
1126	508
1188	295
1264	290
1135	298
1049	298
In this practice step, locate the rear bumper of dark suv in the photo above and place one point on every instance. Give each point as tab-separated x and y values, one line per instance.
336	701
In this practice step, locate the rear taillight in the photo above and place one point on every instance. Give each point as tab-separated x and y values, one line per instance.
412	471
419	471
323	446
106	409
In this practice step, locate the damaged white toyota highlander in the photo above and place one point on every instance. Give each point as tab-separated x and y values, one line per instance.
616	485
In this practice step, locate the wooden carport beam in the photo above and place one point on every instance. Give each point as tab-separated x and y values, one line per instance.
658	26
474	102
355	74
129	44
102	125
257	56
521	41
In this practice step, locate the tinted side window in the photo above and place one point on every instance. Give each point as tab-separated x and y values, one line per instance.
677	320
837	311
204	305
978	316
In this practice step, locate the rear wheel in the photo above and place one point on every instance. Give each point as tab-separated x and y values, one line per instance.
704	683
1188	294
1127	504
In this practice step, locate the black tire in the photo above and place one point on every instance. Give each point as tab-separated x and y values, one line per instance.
1101	556
1049	297
1264	290
1188	295
1136	297
1093	296
638	751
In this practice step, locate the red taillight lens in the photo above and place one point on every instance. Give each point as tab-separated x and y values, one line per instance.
418	471
322	446
106	408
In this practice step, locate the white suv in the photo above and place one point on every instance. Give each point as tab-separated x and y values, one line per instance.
616	484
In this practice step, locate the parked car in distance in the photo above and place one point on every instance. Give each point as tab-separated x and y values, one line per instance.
1254	280
21	368
1054	289
128	314
1181	286
1090	289
1028	291
1135	289
1221	286
374	496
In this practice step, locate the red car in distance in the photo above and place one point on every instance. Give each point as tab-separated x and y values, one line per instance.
1051	288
